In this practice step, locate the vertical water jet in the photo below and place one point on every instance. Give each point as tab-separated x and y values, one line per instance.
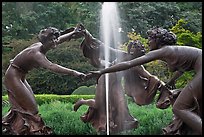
110	36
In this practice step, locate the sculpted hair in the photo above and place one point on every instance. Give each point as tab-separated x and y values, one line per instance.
162	36
135	43
45	34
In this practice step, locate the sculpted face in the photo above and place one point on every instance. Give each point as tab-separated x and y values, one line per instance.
152	43
51	42
136	48
48	37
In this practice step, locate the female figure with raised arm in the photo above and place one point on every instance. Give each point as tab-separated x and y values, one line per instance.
23	117
179	59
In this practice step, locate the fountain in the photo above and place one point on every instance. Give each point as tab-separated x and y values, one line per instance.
108	112
110	36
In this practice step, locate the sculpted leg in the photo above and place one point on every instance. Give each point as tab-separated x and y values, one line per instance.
186	101
21	98
88	102
23	118
28	86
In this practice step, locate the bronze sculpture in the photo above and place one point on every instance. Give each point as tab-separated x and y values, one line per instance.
119	119
179	60
167	98
23	117
142	87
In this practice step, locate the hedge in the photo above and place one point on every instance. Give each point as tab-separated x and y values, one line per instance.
47	98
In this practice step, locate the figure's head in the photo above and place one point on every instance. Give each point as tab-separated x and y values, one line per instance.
136	48
48	36
159	37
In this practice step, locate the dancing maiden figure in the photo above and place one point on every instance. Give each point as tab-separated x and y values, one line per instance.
23	117
179	59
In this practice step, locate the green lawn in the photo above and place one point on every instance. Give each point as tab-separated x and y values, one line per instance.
64	121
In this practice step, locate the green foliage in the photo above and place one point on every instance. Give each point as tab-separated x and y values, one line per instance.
87	13
84	90
140	16
5	97
5	109
159	69
6	49
64	121
191	12
47	98
185	79
186	37
22	20
151	120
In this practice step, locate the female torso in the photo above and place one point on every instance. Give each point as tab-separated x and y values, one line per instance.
182	58
22	63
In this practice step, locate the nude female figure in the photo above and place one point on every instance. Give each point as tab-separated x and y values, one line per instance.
179	59
23	117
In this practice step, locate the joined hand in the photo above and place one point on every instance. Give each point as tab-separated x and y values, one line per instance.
79	31
94	74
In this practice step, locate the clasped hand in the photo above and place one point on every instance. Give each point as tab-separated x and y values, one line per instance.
91	74
79	31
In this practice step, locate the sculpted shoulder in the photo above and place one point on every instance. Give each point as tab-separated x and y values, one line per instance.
168	50
33	49
26	59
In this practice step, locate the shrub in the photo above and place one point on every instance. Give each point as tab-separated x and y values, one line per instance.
64	121
84	90
47	98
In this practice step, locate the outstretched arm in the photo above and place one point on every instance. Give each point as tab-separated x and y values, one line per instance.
45	63
70	33
65	37
67	31
152	55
